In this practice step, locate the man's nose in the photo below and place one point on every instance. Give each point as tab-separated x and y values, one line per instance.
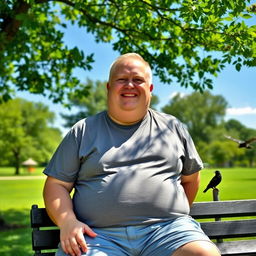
129	83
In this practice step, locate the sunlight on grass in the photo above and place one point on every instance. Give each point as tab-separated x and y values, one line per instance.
237	183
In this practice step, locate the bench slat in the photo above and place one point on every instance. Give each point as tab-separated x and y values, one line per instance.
241	247
223	229
39	218
230	229
200	210
45	239
217	209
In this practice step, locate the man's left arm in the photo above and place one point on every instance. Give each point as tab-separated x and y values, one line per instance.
190	184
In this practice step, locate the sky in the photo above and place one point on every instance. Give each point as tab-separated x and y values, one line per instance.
238	88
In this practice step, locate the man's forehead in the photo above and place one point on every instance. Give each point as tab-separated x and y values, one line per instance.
130	65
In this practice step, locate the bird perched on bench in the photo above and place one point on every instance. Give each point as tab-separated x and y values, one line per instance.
215	181
242	143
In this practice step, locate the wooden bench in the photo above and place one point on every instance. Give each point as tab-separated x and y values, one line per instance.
220	220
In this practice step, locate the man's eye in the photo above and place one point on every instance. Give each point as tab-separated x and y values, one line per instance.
138	80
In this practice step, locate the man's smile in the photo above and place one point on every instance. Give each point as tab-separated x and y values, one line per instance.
128	94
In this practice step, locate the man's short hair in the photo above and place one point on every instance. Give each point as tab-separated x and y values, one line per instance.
134	56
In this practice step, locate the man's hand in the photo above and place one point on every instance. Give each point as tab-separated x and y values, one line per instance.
72	237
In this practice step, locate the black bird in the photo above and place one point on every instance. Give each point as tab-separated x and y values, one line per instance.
242	143
214	181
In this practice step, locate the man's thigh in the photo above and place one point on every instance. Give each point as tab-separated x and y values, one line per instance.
172	235
202	248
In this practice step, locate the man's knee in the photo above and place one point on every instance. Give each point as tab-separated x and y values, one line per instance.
197	248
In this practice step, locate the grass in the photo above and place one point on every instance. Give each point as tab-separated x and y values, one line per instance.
237	183
17	196
9	171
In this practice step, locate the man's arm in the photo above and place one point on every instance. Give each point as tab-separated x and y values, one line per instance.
190	184
59	206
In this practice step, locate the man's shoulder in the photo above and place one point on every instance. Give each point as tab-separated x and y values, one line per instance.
172	122
163	116
90	121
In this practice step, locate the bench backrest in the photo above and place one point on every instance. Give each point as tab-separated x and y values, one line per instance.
230	228
48	238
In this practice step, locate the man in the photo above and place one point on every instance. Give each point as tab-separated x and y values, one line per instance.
135	172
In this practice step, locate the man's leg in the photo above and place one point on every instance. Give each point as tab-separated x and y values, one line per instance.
197	248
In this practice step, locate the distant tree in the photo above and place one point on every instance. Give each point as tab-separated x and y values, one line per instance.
223	153
184	41
89	104
25	132
241	132
201	112
154	101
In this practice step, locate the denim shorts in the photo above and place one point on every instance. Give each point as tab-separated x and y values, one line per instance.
161	238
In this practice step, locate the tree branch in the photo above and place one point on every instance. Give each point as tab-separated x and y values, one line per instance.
11	24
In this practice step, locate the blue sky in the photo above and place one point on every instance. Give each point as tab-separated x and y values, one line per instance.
238	88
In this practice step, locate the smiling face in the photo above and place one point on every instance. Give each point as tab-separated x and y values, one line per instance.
129	90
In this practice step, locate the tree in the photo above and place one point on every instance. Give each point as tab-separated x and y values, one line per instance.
25	132
92	103
87	105
239	131
201	112
188	41
223	153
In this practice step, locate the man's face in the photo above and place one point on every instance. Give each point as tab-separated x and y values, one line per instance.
129	86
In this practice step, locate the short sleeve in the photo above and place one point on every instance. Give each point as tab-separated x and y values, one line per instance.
65	163
191	160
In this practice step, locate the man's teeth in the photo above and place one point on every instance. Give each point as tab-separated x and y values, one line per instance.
129	95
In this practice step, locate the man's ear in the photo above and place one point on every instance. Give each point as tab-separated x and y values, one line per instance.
107	86
151	87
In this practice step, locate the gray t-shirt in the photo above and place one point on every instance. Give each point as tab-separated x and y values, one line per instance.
126	175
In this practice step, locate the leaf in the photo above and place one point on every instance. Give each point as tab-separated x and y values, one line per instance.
246	16
238	66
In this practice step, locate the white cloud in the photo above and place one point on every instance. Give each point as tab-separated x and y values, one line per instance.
173	94
241	111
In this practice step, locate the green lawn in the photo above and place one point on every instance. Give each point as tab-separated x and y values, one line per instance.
237	183
17	196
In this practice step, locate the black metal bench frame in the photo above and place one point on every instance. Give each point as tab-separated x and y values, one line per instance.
220	220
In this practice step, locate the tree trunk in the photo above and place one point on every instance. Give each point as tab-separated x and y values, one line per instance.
10	25
17	162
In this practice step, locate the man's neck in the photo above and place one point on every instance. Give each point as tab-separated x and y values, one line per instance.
126	119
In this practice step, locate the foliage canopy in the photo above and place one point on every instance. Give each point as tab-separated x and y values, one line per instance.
25	132
188	41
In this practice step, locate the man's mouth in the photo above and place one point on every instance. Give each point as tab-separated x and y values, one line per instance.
128	94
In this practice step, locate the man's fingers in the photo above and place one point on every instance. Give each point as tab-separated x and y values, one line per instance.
66	247
75	247
81	241
71	247
89	232
72	238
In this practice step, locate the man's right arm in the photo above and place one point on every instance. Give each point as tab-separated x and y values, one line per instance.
59	206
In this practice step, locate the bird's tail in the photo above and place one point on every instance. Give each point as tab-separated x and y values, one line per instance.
205	190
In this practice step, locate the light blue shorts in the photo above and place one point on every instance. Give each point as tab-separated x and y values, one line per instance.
157	239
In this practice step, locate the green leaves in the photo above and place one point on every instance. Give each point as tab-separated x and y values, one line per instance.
174	37
25	132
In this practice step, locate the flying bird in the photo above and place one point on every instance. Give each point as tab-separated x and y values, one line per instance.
242	143
215	181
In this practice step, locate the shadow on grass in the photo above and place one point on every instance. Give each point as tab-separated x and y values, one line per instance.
16	238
